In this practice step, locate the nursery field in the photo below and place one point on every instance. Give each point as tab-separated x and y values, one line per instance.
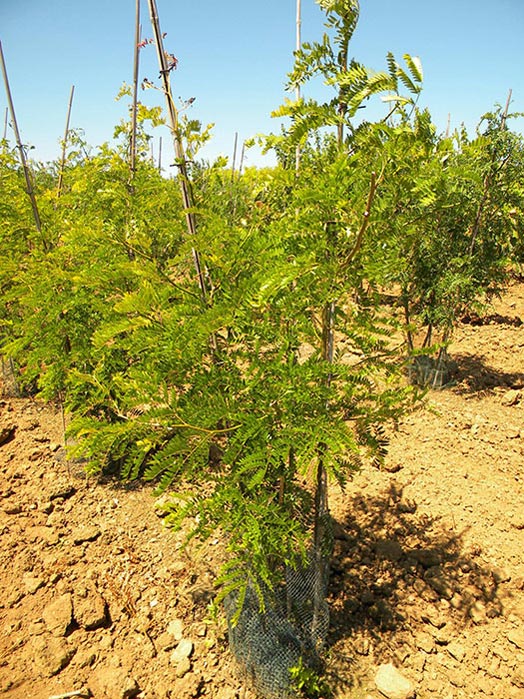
428	573
222	472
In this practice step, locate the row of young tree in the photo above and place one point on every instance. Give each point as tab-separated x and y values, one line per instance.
277	361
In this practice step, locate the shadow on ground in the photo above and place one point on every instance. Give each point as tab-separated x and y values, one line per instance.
475	375
399	576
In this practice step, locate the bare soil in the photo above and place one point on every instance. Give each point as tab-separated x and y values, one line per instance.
98	597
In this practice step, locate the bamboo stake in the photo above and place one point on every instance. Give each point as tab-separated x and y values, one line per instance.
298	44
178	145
64	143
160	154
233	197
23	159
506	110
5	123
134	108
242	155
234	156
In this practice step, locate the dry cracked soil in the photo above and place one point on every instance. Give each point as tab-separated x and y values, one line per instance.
99	599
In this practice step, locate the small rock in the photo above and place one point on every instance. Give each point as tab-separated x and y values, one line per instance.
436	580
176	629
392	684
165	641
518	676
86	533
389	549
456	677
187	687
477	612
433	617
183	650
32	583
43	534
407	506
457	651
58	615
62	490
518	521
46	507
428	558
13	598
12	508
425	642
90	612
7	433
201	630
510	398
85	657
516	636
441	636
116	683
501	575
52	654
183	667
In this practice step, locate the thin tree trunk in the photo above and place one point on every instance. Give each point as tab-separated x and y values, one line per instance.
64	143
23	159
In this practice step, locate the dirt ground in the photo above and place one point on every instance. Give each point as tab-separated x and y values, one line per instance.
98	599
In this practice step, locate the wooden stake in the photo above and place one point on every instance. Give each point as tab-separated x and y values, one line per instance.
134	108
64	143
23	160
5	123
298	44
178	145
506	110
242	153
234	156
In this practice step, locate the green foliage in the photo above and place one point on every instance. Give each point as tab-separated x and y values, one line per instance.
292	365
308	683
455	202
353	82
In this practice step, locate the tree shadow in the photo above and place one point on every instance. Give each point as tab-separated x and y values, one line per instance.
401	578
474	375
491	319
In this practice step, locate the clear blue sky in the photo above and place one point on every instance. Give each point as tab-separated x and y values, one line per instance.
234	57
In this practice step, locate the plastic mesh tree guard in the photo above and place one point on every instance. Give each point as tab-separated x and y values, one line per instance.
291	628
